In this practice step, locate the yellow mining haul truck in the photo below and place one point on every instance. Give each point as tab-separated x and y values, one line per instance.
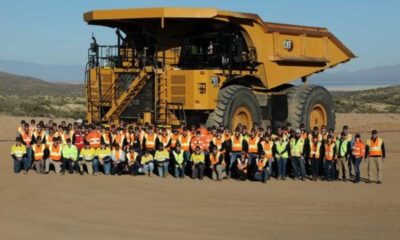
204	65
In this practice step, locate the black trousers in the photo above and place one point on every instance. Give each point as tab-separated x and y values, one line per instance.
68	164
118	168
198	171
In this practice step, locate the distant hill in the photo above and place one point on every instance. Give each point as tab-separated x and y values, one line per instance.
11	84
26	96
51	73
379	76
380	100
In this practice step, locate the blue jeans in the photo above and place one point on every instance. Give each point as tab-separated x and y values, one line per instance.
19	164
357	162
282	167
329	170
96	164
315	167
261	175
234	157
179	171
107	168
148	168
163	168
28	161
298	167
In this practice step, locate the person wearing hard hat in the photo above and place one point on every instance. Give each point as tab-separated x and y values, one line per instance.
296	154
198	163
69	156
179	160
358	152
375	154
343	148
19	154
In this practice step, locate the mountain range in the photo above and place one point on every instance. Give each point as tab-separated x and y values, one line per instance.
379	76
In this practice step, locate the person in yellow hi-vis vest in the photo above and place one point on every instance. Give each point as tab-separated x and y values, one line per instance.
161	157
19	154
375	154
86	158
198	163
297	157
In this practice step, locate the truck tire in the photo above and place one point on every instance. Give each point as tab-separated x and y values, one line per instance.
236	104
311	105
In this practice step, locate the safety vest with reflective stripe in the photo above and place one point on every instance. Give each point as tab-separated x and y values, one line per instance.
174	139
38	151
214	158
329	151
267	148
106	138
119	139
280	147
358	149
179	157
55	153
315	150
102	153
218	142
88	154
237	144
27	137
253	144
185	142
375	147
341	150
132	157
18	151
164	140
261	163
94	139
296	147
49	140
150	141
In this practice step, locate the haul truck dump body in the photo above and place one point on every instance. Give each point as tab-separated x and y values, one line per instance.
174	65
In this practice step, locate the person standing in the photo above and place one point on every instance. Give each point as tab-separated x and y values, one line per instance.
267	146
161	157
69	156
315	156
55	153
27	140
281	150
343	148
375	154
19	154
330	152
198	163
358	152
296	154
237	145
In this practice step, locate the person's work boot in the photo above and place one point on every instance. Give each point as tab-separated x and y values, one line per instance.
379	182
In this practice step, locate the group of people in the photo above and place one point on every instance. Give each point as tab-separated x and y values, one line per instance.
217	152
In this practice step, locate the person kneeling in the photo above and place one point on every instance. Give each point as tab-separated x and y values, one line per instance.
147	163
70	155
133	161
104	156
179	160
262	168
161	158
217	165
86	158
198	163
55	156
242	167
118	160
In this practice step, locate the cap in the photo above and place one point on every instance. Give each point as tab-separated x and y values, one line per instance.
374	131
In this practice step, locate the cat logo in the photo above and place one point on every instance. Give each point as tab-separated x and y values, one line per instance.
288	45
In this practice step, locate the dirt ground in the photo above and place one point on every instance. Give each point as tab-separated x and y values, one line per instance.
87	207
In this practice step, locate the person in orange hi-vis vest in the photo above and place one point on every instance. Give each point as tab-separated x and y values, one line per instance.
358	152
237	145
217	164
164	139
39	155
54	156
375	154
261	173
149	141
314	154
184	140
174	138
254	148
94	138
330	152
267	146
197	141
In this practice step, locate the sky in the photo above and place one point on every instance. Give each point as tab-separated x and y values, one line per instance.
53	32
